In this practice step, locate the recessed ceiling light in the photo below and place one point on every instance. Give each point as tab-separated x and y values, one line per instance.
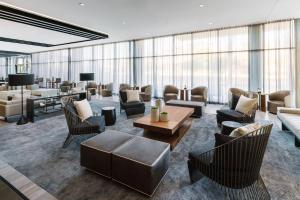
81	4
201	6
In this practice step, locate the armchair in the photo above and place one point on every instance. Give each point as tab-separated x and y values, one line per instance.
92	125
236	173
107	91
92	87
170	92
199	94
65	86
146	93
131	108
276	99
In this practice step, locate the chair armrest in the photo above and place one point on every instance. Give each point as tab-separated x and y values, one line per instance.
295	111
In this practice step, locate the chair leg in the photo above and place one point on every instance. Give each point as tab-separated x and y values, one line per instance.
195	175
67	141
297	142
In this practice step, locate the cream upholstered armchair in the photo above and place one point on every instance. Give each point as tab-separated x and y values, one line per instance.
146	92
170	92
276	99
199	94
92	87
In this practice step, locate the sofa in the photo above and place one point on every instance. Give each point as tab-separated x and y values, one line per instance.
12	107
276	99
290	119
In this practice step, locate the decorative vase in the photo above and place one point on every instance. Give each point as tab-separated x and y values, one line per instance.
154	114
158	104
164	117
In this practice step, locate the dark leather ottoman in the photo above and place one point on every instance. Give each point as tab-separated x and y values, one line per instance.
141	164
96	152
198	106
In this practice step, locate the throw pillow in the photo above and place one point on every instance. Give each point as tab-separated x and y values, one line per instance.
234	101
245	105
244	130
83	109
132	95
288	102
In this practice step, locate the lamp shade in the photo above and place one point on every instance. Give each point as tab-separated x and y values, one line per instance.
20	79
86	76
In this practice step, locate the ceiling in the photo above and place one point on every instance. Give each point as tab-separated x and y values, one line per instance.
134	19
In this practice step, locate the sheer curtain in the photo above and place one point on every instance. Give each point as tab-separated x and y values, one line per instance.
144	62
279	56
81	62
50	64
3	72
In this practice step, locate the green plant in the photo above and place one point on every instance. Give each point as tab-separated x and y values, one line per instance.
163	113
154	108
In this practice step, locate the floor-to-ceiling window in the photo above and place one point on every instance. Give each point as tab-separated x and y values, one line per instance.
247	57
278	56
3	67
52	64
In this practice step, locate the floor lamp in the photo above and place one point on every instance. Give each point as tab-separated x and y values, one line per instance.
21	80
87	77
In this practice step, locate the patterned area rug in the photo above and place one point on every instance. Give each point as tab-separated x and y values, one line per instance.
35	149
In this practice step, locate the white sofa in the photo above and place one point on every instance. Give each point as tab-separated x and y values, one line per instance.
290	118
13	107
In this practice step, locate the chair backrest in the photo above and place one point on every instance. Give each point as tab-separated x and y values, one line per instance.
70	112
124	86
171	89
92	84
238	161
201	90
147	89
279	95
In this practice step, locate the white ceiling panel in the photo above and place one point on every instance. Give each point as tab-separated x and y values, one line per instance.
133	19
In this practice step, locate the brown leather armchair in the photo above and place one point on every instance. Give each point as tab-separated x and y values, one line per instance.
199	94
124	86
170	92
146	92
276	99
238	92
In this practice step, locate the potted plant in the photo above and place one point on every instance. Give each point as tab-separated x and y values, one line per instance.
154	114
164	116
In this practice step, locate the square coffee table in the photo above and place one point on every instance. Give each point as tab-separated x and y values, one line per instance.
171	131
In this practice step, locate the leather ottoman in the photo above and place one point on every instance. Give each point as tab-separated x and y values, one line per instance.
141	164
96	152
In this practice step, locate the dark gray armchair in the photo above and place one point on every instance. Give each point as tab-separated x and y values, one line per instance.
234	164
92	125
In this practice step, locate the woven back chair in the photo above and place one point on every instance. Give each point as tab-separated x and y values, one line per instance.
235	165
76	126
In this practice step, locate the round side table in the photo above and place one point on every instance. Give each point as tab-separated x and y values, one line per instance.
109	114
229	126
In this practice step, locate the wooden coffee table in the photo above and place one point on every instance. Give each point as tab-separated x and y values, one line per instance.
171	131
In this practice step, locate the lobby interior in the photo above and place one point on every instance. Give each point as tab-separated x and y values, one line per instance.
149	99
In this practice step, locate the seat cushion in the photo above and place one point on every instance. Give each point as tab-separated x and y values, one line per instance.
277	103
230	114
133	104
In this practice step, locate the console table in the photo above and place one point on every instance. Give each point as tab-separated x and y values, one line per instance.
52	101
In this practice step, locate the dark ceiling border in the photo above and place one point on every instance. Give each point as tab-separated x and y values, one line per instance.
12	53
20	16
